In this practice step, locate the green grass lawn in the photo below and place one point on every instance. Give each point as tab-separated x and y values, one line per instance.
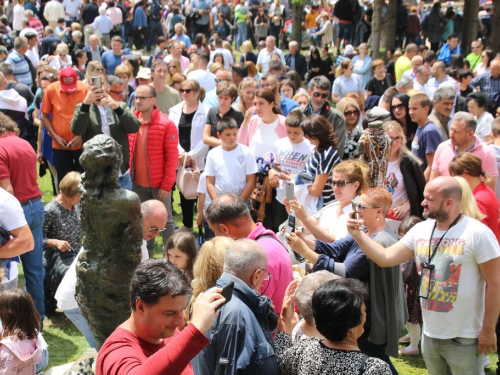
66	343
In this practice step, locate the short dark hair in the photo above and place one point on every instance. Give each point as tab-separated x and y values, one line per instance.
226	123
154	279
318	127
478	97
320	81
451	36
295	118
464	73
337	307
161	39
203	56
158	62
429	57
227	208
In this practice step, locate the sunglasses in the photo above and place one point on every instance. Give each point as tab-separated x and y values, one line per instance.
318	94
340	183
396	139
187	91
155	229
219	80
398	107
99	70
360	207
117	92
351	113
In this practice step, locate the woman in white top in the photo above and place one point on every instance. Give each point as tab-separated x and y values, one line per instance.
476	104
190	117
484	66
62	57
346	81
329	223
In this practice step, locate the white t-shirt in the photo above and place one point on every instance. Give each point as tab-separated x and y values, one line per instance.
292	157
202	189
264	139
455	307
204	78
395	184
71	7
18	15
11	212
483	128
230	168
331	222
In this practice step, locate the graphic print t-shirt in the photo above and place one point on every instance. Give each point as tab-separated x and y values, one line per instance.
455	303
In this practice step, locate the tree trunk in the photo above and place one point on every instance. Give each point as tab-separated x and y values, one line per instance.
376	28
469	25
390	25
297	9
494	40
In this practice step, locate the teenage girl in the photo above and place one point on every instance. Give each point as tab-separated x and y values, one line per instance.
182	252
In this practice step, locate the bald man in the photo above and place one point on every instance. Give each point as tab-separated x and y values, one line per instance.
154	219
458	259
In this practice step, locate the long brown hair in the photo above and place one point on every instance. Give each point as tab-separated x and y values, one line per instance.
269	97
468	163
184	242
318	127
18	315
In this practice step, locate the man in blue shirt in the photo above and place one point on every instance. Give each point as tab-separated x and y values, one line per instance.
180	36
270	82
111	59
449	49
18	61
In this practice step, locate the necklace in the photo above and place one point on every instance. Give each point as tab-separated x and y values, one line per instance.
338	345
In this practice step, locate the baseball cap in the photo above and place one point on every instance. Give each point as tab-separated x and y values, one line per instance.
68	79
451	4
144	73
349	50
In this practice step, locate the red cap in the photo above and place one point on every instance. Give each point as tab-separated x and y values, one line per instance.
68	79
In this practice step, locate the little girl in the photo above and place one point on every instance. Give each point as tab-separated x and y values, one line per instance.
182	252
20	347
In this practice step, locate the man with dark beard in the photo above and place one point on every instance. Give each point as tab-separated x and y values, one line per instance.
459	299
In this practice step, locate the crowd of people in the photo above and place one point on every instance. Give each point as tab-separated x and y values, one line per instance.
325	277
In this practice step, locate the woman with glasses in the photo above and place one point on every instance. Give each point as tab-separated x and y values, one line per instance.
349	179
401	113
174	66
190	117
62	57
350	108
387	312
380	80
404	178
246	93
346	81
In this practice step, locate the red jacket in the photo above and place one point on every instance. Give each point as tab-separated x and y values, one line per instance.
162	151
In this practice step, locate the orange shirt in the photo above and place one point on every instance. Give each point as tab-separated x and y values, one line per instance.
141	170
311	20
62	106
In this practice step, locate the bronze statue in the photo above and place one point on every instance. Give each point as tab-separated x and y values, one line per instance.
112	237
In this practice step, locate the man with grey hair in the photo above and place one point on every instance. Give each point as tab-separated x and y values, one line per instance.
319	91
26	27
266	54
295	60
416	61
93	50
275	67
23	90
404	85
222	75
463	139
421	78
240	338
444	99
35	24
16	58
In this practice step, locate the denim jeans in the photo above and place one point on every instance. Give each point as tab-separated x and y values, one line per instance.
242	34
76	317
125	182
155	31
33	260
44	362
147	193
457	356
67	161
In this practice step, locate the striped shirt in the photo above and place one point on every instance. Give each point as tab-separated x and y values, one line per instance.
21	68
323	163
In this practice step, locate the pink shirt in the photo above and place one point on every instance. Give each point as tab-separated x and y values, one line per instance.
279	265
446	152
115	14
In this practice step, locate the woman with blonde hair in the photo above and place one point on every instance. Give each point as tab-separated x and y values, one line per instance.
468	205
93	66
177	79
214	67
62	57
246	93
302	99
174	66
125	74
248	55
352	113
404	178
190	117
346	81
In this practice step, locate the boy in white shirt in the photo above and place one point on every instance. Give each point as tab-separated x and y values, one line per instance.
230	167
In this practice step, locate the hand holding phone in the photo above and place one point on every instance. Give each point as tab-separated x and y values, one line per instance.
227	293
354	209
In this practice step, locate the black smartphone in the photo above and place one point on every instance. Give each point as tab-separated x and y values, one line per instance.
354	209
227	293
291	224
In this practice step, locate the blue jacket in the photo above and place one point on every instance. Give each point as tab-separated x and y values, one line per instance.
240	340
140	18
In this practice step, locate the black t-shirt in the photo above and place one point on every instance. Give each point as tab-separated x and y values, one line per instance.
378	87
90	13
466	92
185	130
213	118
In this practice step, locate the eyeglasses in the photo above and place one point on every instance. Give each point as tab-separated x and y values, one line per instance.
267	85
268	275
483	55
340	183
351	113
47	76
142	97
99	70
187	91
155	229
398	107
318	94
219	80
396	139
118	92
360	207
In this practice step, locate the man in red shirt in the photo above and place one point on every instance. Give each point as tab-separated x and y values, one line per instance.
153	156
18	176
149	342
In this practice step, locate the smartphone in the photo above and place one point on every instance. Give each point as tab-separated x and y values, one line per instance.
354	209
96	81
290	190
306	176
227	293
291	224
276	168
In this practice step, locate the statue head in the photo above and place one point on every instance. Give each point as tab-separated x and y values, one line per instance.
101	159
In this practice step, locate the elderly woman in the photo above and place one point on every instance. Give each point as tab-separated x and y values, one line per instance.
339	311
190	117
344	258
62	236
125	74
352	113
324	36
346	81
62	57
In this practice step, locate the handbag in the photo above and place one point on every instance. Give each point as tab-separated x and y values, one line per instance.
187	180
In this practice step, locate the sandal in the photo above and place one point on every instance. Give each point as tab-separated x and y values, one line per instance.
406	351
405	339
